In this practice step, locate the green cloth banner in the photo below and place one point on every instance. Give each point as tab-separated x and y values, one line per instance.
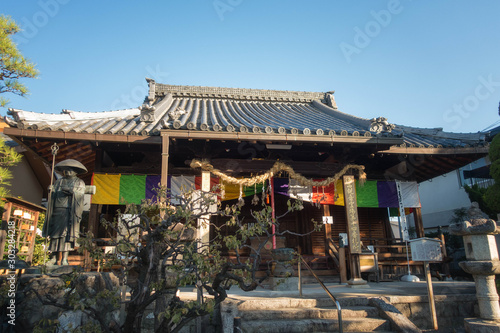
132	188
367	195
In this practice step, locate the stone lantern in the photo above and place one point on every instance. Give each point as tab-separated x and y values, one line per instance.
483	263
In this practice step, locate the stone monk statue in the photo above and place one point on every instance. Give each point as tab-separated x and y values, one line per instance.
65	208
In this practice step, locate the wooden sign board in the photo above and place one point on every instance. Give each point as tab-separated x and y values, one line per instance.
351	207
426	249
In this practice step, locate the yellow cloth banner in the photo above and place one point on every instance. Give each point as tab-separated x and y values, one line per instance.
231	191
339	193
108	192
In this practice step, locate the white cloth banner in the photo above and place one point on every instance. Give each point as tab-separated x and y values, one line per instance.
409	191
180	185
297	191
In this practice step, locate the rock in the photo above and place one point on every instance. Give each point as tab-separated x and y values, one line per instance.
69	320
93	282
30	309
390	312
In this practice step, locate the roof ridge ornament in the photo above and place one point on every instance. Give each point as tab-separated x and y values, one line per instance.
152	90
380	124
147	106
152	109
330	100
177	113
237	93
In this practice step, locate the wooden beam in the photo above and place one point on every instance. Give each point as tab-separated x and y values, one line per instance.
93	137
204	221
182	134
164	159
419	223
435	151
318	169
204	135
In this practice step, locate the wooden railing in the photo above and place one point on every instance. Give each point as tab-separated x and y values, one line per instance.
333	251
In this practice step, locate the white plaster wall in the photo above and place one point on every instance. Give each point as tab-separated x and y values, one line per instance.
25	184
439	197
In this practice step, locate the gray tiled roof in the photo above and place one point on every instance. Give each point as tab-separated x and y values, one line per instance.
232	110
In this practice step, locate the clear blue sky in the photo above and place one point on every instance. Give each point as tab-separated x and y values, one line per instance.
418	63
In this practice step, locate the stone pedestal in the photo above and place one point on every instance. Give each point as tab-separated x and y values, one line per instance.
483	263
284	284
67	269
476	325
283	262
486	292
357	283
487	297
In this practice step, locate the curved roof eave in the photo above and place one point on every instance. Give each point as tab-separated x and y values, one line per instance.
253	114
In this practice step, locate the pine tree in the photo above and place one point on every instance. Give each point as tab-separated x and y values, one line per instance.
13	66
492	195
8	158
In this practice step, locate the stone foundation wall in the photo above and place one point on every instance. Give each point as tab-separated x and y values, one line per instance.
451	310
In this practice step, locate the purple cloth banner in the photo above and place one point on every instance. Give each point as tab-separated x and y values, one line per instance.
152	185
387	194
281	186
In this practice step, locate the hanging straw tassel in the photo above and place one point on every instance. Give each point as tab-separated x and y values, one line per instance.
255	200
362	177
223	191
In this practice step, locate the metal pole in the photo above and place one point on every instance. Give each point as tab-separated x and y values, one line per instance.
199	298
271	182
407	257
337	303
300	275
237	325
54	148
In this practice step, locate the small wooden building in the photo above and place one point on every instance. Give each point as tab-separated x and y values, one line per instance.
244	132
19	224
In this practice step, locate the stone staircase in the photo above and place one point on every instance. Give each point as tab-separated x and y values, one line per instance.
296	315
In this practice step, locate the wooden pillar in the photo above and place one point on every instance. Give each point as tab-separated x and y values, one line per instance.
94	218
327	226
165	142
445	266
204	221
351	207
419	224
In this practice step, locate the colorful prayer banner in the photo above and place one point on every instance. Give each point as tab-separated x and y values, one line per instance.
123	189
232	191
378	194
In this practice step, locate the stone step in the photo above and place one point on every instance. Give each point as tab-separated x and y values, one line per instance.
286	302
315	325
309	313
